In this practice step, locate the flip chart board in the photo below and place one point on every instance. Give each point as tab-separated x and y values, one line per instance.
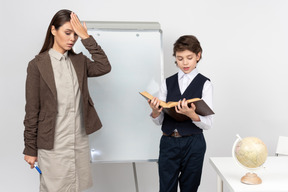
135	52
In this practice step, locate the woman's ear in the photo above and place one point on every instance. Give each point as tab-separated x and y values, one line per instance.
53	30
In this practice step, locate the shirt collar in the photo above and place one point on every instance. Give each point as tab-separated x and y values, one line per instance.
57	55
190	75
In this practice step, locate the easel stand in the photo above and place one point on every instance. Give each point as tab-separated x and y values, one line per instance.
133	167
135	171
135	177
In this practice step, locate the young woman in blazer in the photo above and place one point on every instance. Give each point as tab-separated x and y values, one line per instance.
60	113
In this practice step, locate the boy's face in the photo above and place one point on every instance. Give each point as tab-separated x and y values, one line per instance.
187	60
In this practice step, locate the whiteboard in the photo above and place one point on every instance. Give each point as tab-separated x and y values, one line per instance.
134	50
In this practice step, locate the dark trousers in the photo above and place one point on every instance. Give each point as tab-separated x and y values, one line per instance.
181	160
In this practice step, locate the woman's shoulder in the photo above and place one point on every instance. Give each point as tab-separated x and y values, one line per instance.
40	56
38	59
77	56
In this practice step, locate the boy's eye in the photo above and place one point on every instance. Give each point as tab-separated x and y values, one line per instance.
190	58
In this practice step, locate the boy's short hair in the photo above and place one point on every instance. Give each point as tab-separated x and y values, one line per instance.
187	42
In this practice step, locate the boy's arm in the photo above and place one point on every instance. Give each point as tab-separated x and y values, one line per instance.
207	95
162	96
203	122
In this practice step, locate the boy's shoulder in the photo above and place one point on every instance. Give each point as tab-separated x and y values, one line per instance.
172	76
199	75
203	76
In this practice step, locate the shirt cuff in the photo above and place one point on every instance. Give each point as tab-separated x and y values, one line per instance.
156	120
202	124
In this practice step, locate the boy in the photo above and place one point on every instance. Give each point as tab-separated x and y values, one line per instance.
182	146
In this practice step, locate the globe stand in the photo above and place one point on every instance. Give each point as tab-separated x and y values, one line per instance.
251	179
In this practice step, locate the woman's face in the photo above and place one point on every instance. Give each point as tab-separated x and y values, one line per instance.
64	38
187	60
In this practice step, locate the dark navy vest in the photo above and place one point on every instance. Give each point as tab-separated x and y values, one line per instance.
194	90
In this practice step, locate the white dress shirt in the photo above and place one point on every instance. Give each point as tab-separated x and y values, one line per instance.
207	95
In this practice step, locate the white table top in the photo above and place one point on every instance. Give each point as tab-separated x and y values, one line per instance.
274	175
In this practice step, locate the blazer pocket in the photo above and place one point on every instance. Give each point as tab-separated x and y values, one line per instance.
45	131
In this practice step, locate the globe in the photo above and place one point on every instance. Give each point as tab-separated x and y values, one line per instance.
250	153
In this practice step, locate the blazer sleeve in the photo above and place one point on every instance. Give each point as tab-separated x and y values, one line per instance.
100	64
32	110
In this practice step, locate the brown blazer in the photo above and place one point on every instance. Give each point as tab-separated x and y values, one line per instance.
41	96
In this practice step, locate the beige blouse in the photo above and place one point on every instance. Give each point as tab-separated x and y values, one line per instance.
67	166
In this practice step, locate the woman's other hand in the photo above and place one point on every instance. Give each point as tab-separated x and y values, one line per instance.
30	160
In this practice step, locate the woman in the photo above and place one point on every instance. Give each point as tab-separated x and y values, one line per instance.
59	111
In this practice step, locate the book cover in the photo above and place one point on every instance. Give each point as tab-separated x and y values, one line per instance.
201	107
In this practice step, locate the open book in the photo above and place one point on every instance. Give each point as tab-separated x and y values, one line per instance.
201	107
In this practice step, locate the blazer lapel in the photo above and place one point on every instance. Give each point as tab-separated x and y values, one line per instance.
79	68
46	70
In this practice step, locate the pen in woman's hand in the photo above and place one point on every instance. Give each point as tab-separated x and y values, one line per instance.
37	168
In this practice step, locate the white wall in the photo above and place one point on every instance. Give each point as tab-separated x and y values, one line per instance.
245	54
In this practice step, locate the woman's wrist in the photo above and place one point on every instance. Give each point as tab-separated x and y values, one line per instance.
85	36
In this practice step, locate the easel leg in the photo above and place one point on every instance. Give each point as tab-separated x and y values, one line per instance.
135	176
219	184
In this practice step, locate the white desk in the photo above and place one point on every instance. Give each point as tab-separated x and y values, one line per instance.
274	176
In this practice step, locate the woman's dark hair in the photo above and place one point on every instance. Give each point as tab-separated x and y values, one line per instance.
187	42
59	19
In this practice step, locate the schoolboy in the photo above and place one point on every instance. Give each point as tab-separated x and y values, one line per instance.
183	146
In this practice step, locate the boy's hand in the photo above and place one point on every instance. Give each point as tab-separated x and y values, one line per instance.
183	108
154	103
